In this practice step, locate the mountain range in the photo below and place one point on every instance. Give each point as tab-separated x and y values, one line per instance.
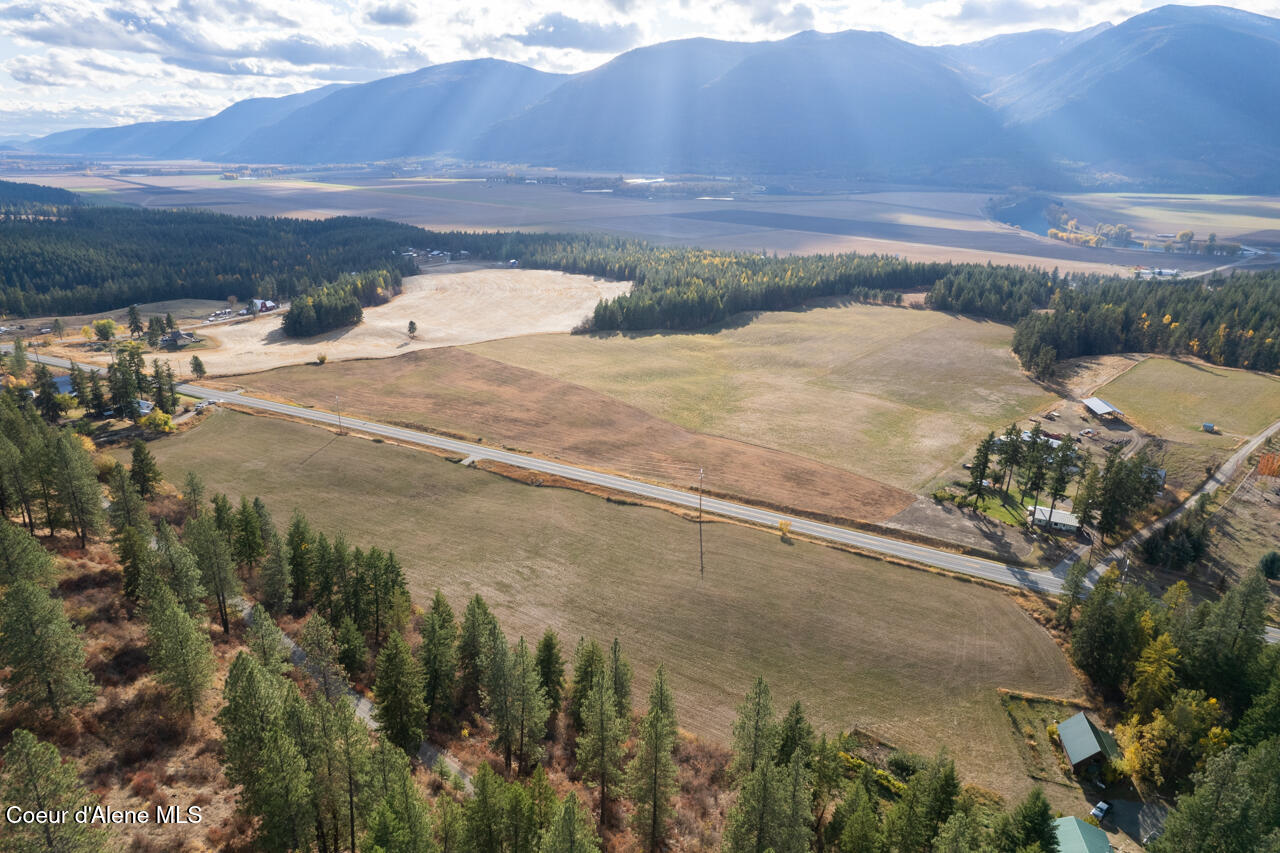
1178	98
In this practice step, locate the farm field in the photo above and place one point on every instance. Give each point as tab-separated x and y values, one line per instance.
1172	398
912	657
917	224
461	393
1252	220
894	394
466	304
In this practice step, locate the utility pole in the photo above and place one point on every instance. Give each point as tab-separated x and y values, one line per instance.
702	568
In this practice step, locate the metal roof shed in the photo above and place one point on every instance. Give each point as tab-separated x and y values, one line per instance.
1083	741
1101	407
1076	836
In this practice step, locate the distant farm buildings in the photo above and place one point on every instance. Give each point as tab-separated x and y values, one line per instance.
261	306
1101	408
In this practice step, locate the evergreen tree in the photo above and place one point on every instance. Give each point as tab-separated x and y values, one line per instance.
651	775
484	813
176	566
1072	591
862	832
97	394
530	709
320	647
755	732
22	558
352	752
439	657
620	675
588	663
18	358
247	542
77	487
1233	807
277	584
756	822
136	559
402	823
300	546
352	652
1109	634
551	669
1220	658
197	368
143	470
497	694
127	508
135	321
981	464
48	401
42	651
794	733
1031	823
180	650
600	745
571	831
795	830
193	494
472	649
224	517
35	778
213	556
398	695
266	641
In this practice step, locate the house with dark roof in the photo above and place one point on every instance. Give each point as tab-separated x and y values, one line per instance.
1076	836
1085	744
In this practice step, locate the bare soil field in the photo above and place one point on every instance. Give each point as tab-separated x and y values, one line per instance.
918	224
891	393
456	307
462	393
912	657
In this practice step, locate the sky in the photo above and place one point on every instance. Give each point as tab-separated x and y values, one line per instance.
82	63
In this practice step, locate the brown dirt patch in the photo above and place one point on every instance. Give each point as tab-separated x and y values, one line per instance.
457	391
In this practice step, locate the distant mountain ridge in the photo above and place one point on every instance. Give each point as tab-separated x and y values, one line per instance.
1179	98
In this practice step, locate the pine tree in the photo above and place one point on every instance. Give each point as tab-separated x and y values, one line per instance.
530	707
77	487
588	663
484	813
861	833
439	657
496	693
197	368
48	401
135	321
472	649
180	650
352	652
398	695
42	651
300	546
35	778
351	748
794	733
755	732
1030	823
22	557
571	831
176	566
981	464
651	775
136	559
756	822
450	826
600	745
127	507
794	830
266	641
402	823
143	470
247	544
277	584
213	556
551	669
320	647
620	675
1072	591
519	831
193	494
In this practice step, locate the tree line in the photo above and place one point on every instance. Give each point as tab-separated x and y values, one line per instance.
339	303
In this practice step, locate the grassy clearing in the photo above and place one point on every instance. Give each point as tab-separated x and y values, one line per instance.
1173	398
910	656
1031	719
893	394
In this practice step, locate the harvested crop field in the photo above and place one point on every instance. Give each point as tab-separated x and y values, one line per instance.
462	393
910	656
893	394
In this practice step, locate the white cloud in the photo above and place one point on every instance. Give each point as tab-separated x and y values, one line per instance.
65	63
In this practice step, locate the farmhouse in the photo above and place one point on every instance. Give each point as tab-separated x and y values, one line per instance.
264	305
1101	408
1076	836
1053	519
176	339
1084	743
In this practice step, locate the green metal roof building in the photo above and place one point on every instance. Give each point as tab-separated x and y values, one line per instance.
1076	836
1084	742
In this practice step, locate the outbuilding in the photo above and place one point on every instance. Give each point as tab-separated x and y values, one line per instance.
1053	519
1101	408
1084	743
1076	836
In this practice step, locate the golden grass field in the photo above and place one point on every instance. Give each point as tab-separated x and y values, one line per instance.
913	657
894	394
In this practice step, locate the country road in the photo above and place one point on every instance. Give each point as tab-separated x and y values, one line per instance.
1049	582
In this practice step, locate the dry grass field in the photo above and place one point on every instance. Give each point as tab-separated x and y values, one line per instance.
894	394
917	224
910	656
468	303
466	394
1173	398
1248	219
